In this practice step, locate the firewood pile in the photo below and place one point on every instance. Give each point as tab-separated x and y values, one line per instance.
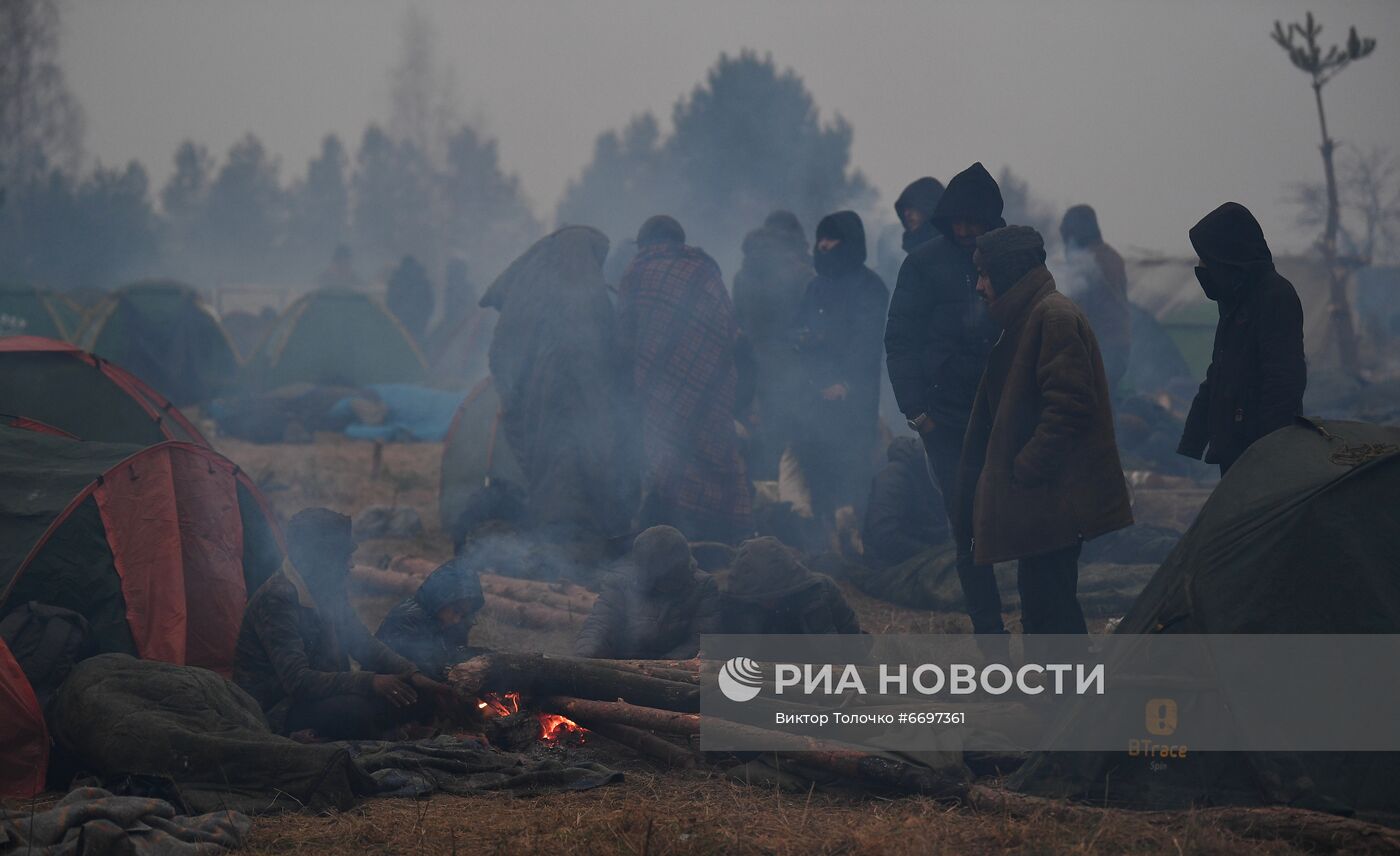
652	707
523	603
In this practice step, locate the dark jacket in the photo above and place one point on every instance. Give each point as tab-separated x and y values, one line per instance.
770	592
905	513
412	630
938	334
1258	371
1040	468
630	623
288	650
840	324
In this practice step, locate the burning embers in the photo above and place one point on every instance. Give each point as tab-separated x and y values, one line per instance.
508	726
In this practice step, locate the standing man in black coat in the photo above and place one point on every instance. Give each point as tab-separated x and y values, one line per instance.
839	327
1258	370
937	340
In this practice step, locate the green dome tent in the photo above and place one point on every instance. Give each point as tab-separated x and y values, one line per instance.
1301	536
335	337
157	546
29	311
163	332
474	452
62	385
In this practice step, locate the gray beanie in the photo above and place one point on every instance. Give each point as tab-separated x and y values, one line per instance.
1009	253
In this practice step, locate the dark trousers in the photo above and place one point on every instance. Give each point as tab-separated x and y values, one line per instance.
943	446
353	717
1048	584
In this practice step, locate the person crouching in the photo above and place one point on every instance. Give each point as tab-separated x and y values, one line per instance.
656	608
1040	472
299	634
432	627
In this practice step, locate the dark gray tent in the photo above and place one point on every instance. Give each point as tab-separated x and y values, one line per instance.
1302	536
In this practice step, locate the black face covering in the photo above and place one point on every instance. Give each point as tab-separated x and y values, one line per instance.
840	259
1217	285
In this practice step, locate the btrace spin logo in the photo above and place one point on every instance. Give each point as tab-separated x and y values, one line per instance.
740	679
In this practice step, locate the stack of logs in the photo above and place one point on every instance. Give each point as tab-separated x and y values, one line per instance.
648	705
524	603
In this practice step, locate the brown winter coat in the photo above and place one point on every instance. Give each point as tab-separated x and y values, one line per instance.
1040	468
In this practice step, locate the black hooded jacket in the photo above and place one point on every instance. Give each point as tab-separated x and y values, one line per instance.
1258	370
841	319
905	515
938	334
411	629
921	195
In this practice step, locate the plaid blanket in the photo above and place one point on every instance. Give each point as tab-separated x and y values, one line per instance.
678	324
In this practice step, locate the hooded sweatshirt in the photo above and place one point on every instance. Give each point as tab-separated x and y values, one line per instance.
1258	371
938	334
922	195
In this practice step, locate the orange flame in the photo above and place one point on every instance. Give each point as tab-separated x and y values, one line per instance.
498	705
553	727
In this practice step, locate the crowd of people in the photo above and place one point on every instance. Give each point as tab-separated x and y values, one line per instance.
642	414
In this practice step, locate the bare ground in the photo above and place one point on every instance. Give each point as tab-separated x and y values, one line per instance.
659	811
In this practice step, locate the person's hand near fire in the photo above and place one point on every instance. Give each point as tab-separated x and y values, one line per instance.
403	690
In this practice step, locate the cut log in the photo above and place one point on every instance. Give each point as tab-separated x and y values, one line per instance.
414	566
648	744
529	614
590	713
378	581
542	674
645	667
539	595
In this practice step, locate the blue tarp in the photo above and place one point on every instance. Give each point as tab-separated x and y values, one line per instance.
414	413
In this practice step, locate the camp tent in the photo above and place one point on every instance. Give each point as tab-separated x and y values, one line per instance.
67	388
1167	288
459	349
24	739
29	311
157	546
335	337
1301	536
164	333
474	452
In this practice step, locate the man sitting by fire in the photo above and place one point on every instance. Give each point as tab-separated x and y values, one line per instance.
299	634
656	608
431	627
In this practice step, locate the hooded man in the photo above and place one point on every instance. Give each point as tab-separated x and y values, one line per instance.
915	208
839	329
431	628
557	368
770	592
936	344
657	608
679	335
904	515
410	297
1040	473
1258	373
1104	296
299	634
768	292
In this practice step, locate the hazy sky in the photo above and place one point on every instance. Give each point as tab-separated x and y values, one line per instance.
1152	111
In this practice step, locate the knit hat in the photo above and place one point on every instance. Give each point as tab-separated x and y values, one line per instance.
1009	253
662	557
660	229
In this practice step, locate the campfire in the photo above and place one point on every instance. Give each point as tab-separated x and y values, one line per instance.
508	725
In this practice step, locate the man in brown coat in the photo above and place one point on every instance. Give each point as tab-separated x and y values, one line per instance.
1040	472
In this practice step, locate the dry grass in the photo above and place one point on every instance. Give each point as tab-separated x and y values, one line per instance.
653	811
696	813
